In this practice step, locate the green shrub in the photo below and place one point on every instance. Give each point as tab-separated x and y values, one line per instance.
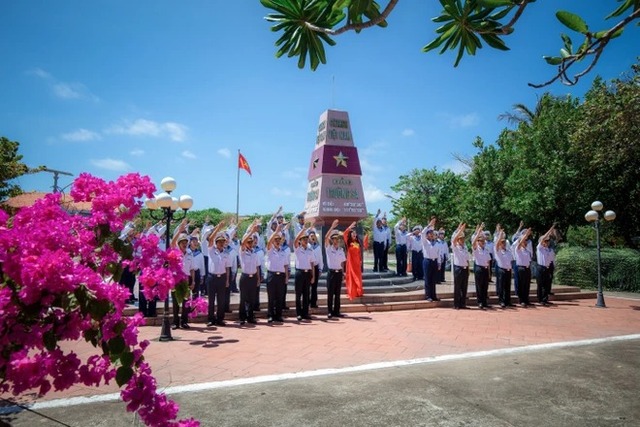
577	266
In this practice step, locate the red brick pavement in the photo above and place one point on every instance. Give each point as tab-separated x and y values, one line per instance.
216	354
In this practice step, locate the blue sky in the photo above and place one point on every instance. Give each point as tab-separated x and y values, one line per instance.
169	88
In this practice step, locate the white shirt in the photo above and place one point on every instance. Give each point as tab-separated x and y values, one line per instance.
481	256
401	235
503	258
335	257
317	252
460	255
545	255
278	260
305	257
218	261
249	261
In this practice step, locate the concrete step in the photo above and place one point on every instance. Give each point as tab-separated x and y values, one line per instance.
391	301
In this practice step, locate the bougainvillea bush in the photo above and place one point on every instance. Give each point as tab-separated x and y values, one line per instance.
59	282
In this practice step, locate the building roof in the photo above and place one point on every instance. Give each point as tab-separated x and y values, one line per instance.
28	199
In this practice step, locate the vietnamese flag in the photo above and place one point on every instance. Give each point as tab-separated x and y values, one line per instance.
243	164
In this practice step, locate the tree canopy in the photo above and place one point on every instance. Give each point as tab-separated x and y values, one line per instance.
11	167
466	26
548	169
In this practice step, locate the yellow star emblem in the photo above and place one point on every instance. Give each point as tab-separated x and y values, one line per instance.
341	159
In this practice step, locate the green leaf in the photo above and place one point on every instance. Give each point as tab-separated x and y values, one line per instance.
564	53
126	358
117	345
568	45
553	60
495	3
50	340
621	9
572	21
494	41
123	375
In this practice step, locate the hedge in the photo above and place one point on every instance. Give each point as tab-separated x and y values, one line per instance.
577	266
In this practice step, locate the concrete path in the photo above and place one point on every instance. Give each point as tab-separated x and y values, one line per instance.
204	359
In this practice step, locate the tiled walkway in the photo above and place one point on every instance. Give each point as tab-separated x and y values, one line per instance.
215	354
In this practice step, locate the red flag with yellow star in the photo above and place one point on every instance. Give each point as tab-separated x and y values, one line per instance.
243	164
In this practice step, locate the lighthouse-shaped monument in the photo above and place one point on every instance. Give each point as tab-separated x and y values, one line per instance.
335	178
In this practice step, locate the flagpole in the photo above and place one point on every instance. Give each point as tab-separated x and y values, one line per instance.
238	190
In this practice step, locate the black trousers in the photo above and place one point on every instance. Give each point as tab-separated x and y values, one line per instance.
401	260
128	280
249	284
460	286
503	286
302	282
417	269
216	288
146	307
276	290
481	275
430	267
441	272
177	318
524	284
378	253
334	288
543	280
313	298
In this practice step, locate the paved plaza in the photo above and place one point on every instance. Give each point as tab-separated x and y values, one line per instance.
289	373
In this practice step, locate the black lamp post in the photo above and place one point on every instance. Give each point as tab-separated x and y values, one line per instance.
594	216
169	206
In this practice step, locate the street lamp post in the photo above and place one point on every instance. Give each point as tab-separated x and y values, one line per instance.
169	206
594	216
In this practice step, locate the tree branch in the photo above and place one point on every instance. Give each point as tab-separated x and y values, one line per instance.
596	48
352	27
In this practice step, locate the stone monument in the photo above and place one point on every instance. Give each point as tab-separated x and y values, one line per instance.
335	178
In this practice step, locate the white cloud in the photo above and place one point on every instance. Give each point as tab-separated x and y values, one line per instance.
39	72
463	121
81	135
64	90
188	154
373	193
455	166
295	173
280	192
224	152
408	132
143	127
111	164
136	152
369	168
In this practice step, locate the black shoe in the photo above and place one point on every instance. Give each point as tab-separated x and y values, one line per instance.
429	300
340	315
307	317
329	316
228	311
241	322
252	321
436	299
299	318
221	323
314	306
270	320
279	319
185	326
209	324
174	326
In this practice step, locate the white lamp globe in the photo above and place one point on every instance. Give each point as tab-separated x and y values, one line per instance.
151	204
609	215
591	216
186	202
168	184
174	204
596	206
163	200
